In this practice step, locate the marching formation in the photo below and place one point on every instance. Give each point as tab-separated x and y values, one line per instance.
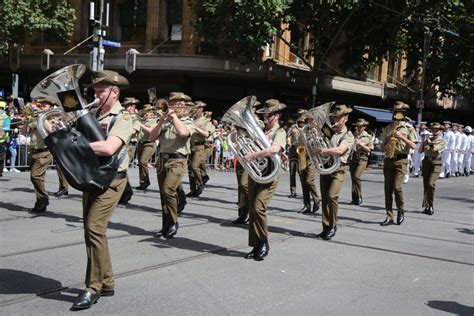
107	133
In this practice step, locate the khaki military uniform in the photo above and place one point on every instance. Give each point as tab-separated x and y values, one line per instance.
133	141
198	154
243	190
62	179
331	184
260	195
294	141
395	168
171	167
207	148
99	206
358	163
145	150
431	168
40	159
308	179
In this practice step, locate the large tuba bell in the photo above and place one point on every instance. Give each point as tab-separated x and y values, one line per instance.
247	138
318	133
67	131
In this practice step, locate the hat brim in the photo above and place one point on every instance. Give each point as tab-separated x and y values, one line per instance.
121	82
275	109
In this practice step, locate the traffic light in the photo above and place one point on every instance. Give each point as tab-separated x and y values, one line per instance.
131	60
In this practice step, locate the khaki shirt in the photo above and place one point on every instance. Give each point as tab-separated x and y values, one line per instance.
36	142
294	136
142	135
436	148
407	130
348	140
170	143
203	124
136	126
212	130
277	135
365	139
122	128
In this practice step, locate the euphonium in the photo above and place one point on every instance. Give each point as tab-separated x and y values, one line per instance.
391	144
318	133
248	138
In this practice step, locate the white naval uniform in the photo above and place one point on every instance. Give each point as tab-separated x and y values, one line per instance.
447	154
468	155
455	155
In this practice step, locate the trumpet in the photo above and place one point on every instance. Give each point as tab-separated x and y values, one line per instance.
166	107
31	113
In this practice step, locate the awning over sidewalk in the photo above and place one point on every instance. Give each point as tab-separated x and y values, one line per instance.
382	116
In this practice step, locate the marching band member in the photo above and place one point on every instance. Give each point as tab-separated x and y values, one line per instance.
260	194
198	150
331	184
433	148
130	106
146	148
174	131
207	147
98	206
397	140
456	149
243	184
359	158
293	137
40	157
307	173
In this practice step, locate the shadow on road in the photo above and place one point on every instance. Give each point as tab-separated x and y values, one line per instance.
451	307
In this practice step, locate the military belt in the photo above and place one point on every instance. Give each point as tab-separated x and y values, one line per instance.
40	150
173	156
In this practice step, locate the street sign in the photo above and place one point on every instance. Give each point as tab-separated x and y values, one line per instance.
420	104
111	43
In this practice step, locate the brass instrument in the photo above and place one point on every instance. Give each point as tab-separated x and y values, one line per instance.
391	145
302	163
248	138
166	107
318	133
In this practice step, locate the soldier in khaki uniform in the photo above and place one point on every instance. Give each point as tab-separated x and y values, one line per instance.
397	140
359	158
331	184
198	151
99	206
260	194
40	158
174	131
207	147
129	105
146	147
432	164
243	184
293	138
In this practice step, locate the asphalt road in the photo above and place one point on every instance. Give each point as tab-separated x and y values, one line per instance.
423	267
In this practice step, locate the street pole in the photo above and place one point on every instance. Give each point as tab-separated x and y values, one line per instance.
98	52
426	46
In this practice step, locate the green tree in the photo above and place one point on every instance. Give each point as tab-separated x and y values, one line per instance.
21	18
349	37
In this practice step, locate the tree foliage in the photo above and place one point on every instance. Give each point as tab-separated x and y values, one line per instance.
21	18
362	32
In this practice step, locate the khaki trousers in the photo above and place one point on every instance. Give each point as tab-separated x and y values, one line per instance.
98	208
243	189
308	184
208	154
145	151
294	168
170	174
39	162
131	152
198	156
393	171
62	179
260	195
431	170
331	185
356	168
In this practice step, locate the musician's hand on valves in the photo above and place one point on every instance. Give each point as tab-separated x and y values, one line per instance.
317	151
398	135
250	156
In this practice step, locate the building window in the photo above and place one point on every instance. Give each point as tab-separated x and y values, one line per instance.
393	70
374	73
174	19
44	37
132	20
